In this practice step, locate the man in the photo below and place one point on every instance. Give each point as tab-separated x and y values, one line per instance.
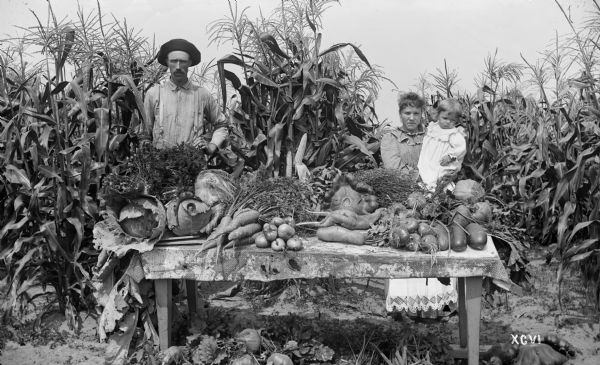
176	109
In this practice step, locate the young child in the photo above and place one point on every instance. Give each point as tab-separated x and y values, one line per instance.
444	146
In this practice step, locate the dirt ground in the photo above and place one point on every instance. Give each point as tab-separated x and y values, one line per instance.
537	312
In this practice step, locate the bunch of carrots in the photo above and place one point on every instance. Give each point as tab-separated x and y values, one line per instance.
239	229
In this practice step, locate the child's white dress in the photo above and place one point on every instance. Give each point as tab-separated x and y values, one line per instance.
419	296
438	143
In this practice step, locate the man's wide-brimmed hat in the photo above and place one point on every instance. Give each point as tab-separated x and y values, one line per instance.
178	45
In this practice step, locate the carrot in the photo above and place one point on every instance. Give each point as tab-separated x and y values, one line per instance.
366	220
340	234
242	219
227	225
245	241
213	242
244	231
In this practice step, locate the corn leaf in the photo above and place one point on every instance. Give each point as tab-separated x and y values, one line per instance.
358	144
336	47
102	119
563	222
18	176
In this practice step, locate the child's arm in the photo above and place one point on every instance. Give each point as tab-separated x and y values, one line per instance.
457	152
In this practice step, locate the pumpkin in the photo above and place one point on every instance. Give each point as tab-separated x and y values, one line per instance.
187	216
279	359
539	354
245	360
143	217
251	338
468	191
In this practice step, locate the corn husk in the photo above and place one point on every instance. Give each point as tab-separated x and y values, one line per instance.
390	186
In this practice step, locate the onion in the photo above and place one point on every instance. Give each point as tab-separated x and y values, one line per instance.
251	338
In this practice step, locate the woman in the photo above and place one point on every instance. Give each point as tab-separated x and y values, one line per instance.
400	149
401	145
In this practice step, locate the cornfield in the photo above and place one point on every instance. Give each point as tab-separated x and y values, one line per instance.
68	120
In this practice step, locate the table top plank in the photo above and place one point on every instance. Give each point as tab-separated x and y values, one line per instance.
183	260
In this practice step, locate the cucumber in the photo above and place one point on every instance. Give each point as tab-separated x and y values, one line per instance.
477	236
442	235
458	241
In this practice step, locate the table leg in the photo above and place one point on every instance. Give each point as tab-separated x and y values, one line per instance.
190	293
164	299
462	313
473	308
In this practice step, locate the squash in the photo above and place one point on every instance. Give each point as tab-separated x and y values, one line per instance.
468	191
341	234
458	241
443	236
477	236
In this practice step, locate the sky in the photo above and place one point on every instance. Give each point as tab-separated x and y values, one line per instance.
405	38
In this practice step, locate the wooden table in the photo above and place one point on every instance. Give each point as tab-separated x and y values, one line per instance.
182	260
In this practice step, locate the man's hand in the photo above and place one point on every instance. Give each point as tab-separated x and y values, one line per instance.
211	149
447	160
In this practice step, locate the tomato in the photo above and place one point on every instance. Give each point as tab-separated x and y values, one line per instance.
261	241
270	232
278	245
290	221
285	231
294	243
277	221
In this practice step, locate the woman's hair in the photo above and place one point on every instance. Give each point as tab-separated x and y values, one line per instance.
410	99
452	106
